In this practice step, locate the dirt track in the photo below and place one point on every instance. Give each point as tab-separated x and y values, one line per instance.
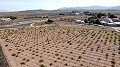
3	61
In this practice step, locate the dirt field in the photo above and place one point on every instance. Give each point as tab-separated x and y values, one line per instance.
61	47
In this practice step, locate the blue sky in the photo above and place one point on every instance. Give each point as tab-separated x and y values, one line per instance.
17	5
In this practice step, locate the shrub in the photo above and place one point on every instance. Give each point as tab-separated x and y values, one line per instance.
56	54
91	49
27	60
119	48
119	52
9	49
42	65
13	54
41	60
106	55
112	66
24	59
22	63
61	55
66	64
16	56
99	59
113	61
6	45
50	64
83	52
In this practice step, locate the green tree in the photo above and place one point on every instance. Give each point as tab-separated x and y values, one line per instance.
109	14
86	21
49	21
12	17
97	21
92	21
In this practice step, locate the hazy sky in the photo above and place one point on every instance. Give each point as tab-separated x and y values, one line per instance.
16	5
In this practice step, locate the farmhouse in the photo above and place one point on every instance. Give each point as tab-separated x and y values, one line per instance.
110	22
103	22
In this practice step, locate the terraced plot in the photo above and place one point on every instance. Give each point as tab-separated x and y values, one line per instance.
61	47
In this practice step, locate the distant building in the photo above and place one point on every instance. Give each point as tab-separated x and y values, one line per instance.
77	13
115	22
87	13
61	13
103	22
79	21
5	19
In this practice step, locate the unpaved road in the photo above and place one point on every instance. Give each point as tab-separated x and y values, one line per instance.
3	61
116	29
17	24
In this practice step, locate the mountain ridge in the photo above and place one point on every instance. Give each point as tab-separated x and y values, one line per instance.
71	9
91	8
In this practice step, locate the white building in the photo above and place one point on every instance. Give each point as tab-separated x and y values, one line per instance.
79	21
5	19
103	22
77	13
115	22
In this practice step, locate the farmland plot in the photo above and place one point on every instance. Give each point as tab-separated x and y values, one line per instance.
61	47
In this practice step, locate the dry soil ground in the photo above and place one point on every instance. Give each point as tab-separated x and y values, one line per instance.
61	47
